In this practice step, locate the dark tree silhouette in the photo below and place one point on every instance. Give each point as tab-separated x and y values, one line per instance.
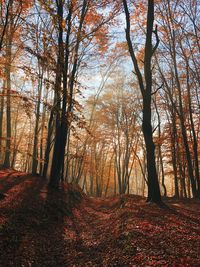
145	85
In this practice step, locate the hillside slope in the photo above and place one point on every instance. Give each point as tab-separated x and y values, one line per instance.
41	227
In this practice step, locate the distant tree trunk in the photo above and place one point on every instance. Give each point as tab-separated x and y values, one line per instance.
136	181
189	188
180	109
172	108
160	151
109	174
8	100
184	183
194	136
118	174
15	130
185	139
115	180
174	153
67	158
1	120
41	142
37	118
146	90
17	146
48	145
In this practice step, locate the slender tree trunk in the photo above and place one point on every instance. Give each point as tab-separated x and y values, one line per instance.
36	131
109	174
1	120
181	111
184	183
115	179
41	142
48	145
67	158
160	152
194	136
174	153
8	103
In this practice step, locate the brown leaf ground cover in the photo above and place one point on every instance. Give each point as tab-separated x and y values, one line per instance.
42	227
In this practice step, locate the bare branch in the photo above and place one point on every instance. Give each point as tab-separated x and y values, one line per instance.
131	50
157	89
157	40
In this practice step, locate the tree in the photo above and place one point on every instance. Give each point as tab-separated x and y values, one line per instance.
10	46
5	8
145	85
73	39
178	38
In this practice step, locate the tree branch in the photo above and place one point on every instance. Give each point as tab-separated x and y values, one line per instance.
131	50
157	40
157	89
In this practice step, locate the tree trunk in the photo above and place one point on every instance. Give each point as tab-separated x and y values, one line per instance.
63	122
56	162
36	131
174	153
153	185
146	90
1	120
8	103
48	145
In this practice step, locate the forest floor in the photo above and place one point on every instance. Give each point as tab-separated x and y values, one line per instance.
42	227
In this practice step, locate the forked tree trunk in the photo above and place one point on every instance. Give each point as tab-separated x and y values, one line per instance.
56	162
64	116
145	85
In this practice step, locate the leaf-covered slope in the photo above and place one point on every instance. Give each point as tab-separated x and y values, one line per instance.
41	227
